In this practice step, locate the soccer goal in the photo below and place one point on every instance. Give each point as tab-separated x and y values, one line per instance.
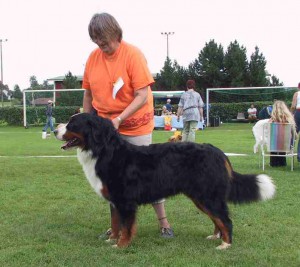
257	95
66	103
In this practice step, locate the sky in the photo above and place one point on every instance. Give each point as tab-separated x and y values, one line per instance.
49	38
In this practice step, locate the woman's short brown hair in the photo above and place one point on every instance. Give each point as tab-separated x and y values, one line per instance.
190	84
104	26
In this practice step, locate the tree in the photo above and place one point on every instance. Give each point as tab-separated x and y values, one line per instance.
180	76
71	82
3	91
274	81
208	69
17	94
70	98
236	65
34	85
47	86
171	77
257	69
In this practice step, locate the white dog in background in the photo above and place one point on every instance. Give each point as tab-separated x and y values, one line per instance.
258	131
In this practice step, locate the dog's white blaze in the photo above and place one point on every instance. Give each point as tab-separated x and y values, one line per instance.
266	186
61	130
88	164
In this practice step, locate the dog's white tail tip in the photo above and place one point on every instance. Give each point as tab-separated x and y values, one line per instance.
266	187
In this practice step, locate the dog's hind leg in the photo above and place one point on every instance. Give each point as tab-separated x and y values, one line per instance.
217	232
223	225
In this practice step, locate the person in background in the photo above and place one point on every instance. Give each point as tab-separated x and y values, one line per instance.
165	111
49	114
281	113
117	86
191	108
169	106
265	112
296	109
252	113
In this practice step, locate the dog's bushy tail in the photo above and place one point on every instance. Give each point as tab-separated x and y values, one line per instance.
249	187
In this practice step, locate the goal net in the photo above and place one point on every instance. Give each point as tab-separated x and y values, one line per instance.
240	99
66	103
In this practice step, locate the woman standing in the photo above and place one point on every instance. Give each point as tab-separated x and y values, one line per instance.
191	108
296	107
117	84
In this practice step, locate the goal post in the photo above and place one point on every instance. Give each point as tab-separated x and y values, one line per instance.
246	94
38	98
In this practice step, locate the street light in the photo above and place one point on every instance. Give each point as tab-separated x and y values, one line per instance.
167	34
2	87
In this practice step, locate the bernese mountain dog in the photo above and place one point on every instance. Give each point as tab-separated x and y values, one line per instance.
128	175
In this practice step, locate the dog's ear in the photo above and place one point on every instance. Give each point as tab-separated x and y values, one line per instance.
102	131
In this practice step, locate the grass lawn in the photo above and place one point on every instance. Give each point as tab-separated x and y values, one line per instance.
49	215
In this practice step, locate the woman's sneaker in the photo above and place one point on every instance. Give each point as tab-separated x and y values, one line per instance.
105	235
166	232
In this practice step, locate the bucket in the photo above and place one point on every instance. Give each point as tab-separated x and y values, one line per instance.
44	135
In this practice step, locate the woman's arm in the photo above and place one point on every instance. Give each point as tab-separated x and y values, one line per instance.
293	106
201	114
140	98
87	101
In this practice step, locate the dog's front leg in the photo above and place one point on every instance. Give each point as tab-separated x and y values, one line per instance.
128	231
115	224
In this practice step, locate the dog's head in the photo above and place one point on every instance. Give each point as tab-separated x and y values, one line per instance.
175	138
84	131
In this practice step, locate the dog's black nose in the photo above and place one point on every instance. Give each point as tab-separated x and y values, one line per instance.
55	132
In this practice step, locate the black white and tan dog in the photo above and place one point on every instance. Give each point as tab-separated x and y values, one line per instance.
128	175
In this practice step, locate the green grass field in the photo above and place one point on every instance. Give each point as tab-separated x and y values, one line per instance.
49	215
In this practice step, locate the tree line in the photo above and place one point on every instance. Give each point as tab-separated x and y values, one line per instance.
216	68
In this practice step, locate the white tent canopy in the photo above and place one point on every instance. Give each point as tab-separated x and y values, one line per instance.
167	94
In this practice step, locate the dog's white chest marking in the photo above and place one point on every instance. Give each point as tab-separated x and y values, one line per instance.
88	164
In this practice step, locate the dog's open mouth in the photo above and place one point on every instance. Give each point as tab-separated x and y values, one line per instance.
74	142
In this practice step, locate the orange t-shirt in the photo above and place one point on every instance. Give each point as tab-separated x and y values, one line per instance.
129	64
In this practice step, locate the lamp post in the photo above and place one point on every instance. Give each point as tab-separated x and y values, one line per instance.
167	34
1	41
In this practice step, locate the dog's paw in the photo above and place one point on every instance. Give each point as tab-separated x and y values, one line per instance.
223	246
214	236
111	240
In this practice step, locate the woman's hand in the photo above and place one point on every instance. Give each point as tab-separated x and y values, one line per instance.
116	122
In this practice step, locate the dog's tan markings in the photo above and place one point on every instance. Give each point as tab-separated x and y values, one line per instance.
219	227
115	224
229	169
128	231
223	229
105	192
217	233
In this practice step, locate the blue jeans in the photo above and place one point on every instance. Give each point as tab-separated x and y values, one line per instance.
49	123
297	120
